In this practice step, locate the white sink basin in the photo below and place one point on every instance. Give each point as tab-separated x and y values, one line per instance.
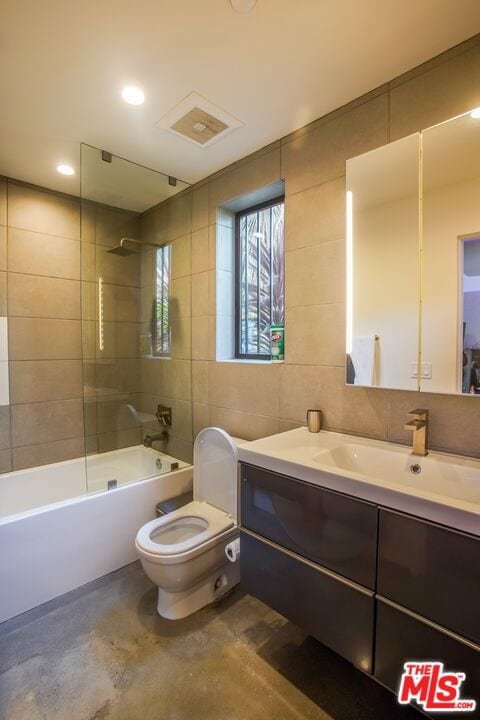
440	487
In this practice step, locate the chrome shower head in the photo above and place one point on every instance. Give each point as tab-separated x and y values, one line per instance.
123	250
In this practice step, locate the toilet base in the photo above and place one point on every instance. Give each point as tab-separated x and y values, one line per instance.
178	605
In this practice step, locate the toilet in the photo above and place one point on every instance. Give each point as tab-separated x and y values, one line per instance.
183	552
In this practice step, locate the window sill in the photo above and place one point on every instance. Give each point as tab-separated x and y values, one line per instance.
246	361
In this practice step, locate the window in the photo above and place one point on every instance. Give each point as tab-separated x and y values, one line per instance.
259	278
161	324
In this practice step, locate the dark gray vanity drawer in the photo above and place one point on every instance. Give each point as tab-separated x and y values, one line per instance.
400	637
327	527
333	610
431	570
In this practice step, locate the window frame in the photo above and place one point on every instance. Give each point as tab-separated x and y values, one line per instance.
155	334
237	245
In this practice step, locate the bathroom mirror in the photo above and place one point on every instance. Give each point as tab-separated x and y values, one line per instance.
413	261
450	342
383	266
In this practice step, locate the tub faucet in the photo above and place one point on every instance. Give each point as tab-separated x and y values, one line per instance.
419	428
148	440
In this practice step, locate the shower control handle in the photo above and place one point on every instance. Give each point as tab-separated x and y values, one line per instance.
164	415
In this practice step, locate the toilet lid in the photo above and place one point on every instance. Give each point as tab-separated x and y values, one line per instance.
215	470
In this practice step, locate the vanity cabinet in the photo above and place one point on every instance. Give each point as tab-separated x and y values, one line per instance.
402	636
378	586
432	570
336	531
335	611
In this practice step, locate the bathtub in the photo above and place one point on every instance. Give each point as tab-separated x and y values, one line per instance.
26	490
56	536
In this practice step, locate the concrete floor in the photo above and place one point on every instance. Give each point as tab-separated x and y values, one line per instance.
102	652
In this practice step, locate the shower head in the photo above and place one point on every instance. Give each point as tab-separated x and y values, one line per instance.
123	250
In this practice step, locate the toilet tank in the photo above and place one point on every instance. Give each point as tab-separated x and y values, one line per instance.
215	470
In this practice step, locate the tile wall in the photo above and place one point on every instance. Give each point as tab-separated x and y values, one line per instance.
254	400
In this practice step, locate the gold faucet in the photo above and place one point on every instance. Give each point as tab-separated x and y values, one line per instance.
419	427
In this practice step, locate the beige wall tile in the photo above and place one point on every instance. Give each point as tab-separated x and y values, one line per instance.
249	387
181	297
121	339
179	215
36	296
119	375
315	275
200	339
89	300
181	256
201	207
3	247
201	418
5	461
120	303
88	221
200	259
41	339
39	380
37	254
442	92
200	381
260	170
180	449
114	224
453	422
3	201
316	215
43	211
46	453
45	422
320	155
351	409
88	262
176	379
181	338
4	426
200	294
153	225
243	425
3	293
315	335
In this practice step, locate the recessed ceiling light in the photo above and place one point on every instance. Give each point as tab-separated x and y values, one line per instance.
133	95
65	170
475	113
243	6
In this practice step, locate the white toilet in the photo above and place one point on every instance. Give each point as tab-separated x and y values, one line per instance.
184	552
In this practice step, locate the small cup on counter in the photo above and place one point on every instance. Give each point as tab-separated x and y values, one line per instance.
314	420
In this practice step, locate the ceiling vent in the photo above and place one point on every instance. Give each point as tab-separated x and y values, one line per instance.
197	119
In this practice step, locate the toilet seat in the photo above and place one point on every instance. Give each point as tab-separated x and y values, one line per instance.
198	521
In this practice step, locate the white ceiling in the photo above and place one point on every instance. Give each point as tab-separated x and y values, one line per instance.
63	65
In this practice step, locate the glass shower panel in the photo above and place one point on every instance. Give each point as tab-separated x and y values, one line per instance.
136	247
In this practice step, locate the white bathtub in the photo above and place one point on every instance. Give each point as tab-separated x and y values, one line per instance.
75	536
25	490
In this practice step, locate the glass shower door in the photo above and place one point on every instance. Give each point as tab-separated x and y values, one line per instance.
136	320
